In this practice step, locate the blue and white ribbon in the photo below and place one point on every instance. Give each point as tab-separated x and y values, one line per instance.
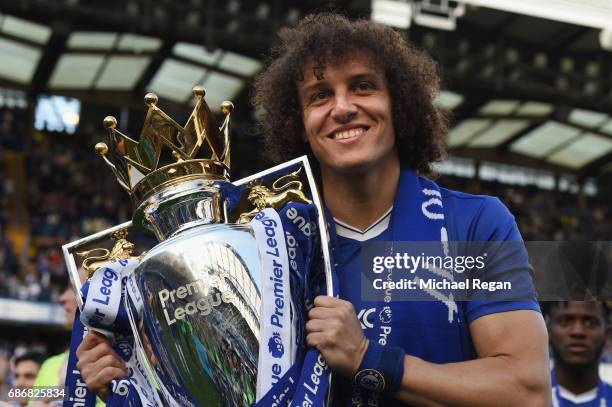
104	311
307	382
77	394
102	301
275	342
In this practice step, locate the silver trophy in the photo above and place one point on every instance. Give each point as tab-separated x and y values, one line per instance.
198	320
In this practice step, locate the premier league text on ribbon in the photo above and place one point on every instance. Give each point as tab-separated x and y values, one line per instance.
102	294
276	317
312	384
272	249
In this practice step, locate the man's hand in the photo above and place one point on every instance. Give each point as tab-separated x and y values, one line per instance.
99	363
335	331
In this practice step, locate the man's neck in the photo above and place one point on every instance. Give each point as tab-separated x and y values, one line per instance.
360	199
577	381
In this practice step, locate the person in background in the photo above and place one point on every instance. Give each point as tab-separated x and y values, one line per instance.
52	373
25	370
578	331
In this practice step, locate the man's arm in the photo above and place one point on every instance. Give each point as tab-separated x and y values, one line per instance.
511	369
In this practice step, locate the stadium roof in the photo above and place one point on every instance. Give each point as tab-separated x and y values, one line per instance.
523	89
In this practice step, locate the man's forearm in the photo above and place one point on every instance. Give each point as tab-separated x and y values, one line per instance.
490	381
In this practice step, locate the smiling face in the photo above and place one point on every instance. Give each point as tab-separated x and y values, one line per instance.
347	115
578	333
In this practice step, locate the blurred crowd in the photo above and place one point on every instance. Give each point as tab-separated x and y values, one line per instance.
70	193
546	215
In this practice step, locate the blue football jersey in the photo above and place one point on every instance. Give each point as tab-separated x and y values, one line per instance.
601	396
436	331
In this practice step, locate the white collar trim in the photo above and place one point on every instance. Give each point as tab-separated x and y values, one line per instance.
375	229
577	398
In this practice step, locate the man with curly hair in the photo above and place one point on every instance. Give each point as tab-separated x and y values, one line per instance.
360	101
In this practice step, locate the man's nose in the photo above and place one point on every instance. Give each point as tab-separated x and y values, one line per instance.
344	109
578	328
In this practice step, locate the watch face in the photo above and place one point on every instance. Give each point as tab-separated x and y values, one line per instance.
370	379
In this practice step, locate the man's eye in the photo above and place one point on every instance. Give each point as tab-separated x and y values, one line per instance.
364	86
592	322
322	94
563	321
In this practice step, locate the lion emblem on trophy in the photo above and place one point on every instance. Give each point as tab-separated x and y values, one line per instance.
260	196
100	257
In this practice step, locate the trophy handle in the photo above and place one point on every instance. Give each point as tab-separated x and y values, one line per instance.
84	244
286	169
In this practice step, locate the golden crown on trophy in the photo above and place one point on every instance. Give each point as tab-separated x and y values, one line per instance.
168	153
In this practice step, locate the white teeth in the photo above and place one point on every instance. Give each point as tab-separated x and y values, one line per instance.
348	133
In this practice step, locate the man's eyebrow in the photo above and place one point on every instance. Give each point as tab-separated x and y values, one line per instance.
314	86
365	75
369	75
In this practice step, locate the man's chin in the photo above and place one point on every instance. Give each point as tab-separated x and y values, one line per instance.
353	166
579	361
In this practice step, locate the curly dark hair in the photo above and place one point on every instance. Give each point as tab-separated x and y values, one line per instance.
412	77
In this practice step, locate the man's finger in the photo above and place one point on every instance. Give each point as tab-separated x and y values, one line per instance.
315	325
109	373
326	301
110	361
315	339
94	354
101	384
322	313
91	340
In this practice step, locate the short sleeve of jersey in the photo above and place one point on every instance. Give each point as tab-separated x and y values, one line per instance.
484	224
